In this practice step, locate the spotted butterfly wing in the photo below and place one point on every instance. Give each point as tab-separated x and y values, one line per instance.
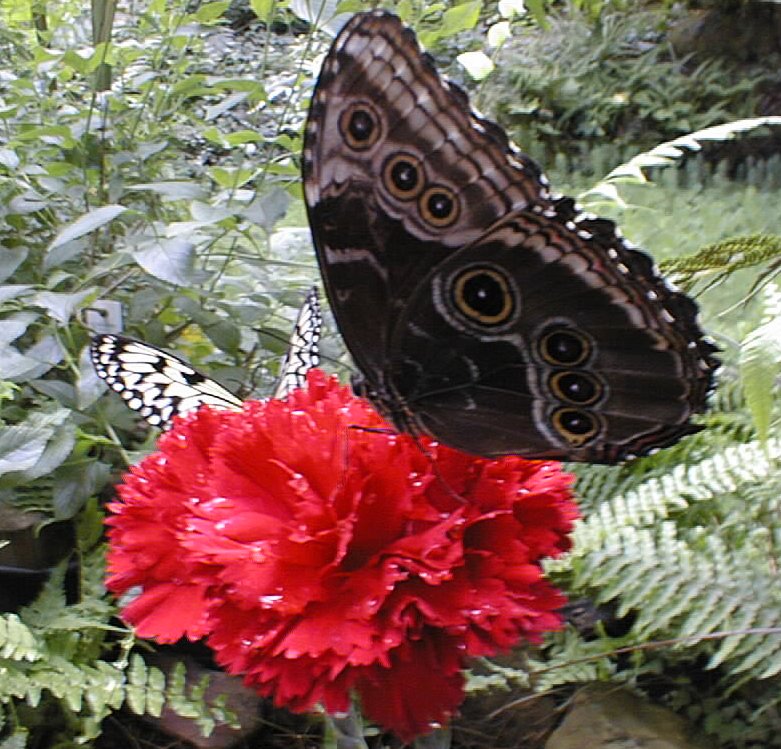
303	352
160	385
480	308
153	382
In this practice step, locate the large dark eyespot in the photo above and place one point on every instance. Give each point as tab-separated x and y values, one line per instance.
438	206
483	295
564	347
579	388
576	426
359	126
402	176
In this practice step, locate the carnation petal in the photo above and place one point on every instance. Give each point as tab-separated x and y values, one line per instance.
168	612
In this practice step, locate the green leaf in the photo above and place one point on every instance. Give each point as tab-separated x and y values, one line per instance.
59	305
15	326
75	485
62	392
224	334
173	190
87	223
57	450
59	134
760	362
19	368
21	447
266	210
210	12
171	260
454	20
228	103
263	9
231	178
10	260
537	10
89	386
405	10
8	158
243	136
461	17
82	65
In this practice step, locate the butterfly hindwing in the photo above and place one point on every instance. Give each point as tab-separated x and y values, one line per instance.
303	351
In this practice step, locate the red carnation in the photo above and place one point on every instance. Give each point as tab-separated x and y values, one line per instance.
320	557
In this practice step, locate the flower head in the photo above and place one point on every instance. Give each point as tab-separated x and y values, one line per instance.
321	554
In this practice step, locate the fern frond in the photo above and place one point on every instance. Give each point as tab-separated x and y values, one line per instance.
17	642
724	258
760	361
668	153
711	587
570	660
660	496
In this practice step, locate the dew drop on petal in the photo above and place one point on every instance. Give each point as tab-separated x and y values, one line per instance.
269	601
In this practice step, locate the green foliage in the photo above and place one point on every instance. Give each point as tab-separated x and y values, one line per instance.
605	75
64	669
760	360
170	205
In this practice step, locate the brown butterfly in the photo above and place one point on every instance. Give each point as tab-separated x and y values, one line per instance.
480	308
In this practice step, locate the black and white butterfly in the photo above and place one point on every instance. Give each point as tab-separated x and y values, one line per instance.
160	385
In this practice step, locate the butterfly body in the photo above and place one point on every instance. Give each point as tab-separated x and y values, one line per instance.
479	308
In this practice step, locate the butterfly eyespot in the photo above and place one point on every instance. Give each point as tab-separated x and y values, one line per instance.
483	295
576	426
564	347
402	176
360	126
438	206
579	388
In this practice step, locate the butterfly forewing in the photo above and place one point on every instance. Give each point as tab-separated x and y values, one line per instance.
160	386
480	308
157	384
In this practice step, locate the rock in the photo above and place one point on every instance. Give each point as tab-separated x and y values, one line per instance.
749	32
605	716
33	548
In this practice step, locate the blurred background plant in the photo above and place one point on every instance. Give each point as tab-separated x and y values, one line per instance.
149	182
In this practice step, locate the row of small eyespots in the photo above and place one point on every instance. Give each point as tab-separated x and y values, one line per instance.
567	349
